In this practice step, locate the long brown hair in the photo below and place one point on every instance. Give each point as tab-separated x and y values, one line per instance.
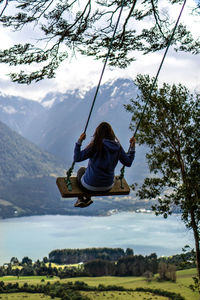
103	131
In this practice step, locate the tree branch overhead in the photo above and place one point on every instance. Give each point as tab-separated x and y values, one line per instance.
86	27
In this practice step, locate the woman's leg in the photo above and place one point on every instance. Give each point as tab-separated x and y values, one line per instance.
83	201
80	173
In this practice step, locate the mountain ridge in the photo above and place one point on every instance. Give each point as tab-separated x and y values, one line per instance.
17	112
57	129
28	180
27	158
27	176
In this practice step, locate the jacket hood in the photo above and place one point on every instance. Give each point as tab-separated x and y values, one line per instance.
111	145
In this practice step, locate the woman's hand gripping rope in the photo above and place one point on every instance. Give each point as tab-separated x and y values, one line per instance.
82	137
132	142
132	145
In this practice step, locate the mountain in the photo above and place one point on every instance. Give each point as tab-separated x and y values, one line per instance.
57	128
27	176
21	158
17	112
28	183
28	172
56	123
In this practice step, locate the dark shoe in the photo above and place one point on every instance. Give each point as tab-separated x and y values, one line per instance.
88	201
83	201
79	203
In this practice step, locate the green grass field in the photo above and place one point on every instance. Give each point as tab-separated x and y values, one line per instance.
92	295
184	279
122	296
20	296
29	279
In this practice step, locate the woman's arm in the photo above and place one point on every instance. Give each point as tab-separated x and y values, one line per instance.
127	158
80	155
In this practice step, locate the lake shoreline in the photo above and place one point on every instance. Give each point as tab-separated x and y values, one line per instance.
107	214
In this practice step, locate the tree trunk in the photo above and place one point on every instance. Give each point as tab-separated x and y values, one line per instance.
196	238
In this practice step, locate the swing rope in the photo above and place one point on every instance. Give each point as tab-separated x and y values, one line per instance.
121	176
69	172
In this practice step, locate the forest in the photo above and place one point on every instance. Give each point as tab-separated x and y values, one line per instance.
127	264
73	256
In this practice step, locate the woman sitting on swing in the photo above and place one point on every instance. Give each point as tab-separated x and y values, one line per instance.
103	152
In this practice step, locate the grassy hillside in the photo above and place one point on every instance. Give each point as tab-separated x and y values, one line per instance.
28	296
27	176
93	296
184	279
21	158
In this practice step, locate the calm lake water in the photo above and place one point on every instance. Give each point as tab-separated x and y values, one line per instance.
36	236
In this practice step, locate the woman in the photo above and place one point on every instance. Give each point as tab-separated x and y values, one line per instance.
103	153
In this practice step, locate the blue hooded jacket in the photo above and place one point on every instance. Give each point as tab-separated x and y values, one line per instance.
101	167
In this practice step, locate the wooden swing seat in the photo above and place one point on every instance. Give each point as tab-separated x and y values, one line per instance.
77	191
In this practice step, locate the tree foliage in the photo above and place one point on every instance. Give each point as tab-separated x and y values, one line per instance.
72	256
166	271
170	128
67	27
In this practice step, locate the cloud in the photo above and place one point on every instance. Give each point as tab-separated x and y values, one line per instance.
84	72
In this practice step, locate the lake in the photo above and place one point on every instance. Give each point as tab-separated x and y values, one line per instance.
36	236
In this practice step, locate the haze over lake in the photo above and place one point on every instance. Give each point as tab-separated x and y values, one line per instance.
36	236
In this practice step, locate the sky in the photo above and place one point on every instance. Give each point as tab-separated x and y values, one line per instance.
84	72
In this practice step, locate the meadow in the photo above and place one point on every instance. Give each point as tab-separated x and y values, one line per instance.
184	279
20	296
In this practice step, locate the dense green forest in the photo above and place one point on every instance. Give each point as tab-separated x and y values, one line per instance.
101	262
73	256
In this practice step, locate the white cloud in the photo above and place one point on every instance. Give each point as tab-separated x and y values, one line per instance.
84	72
